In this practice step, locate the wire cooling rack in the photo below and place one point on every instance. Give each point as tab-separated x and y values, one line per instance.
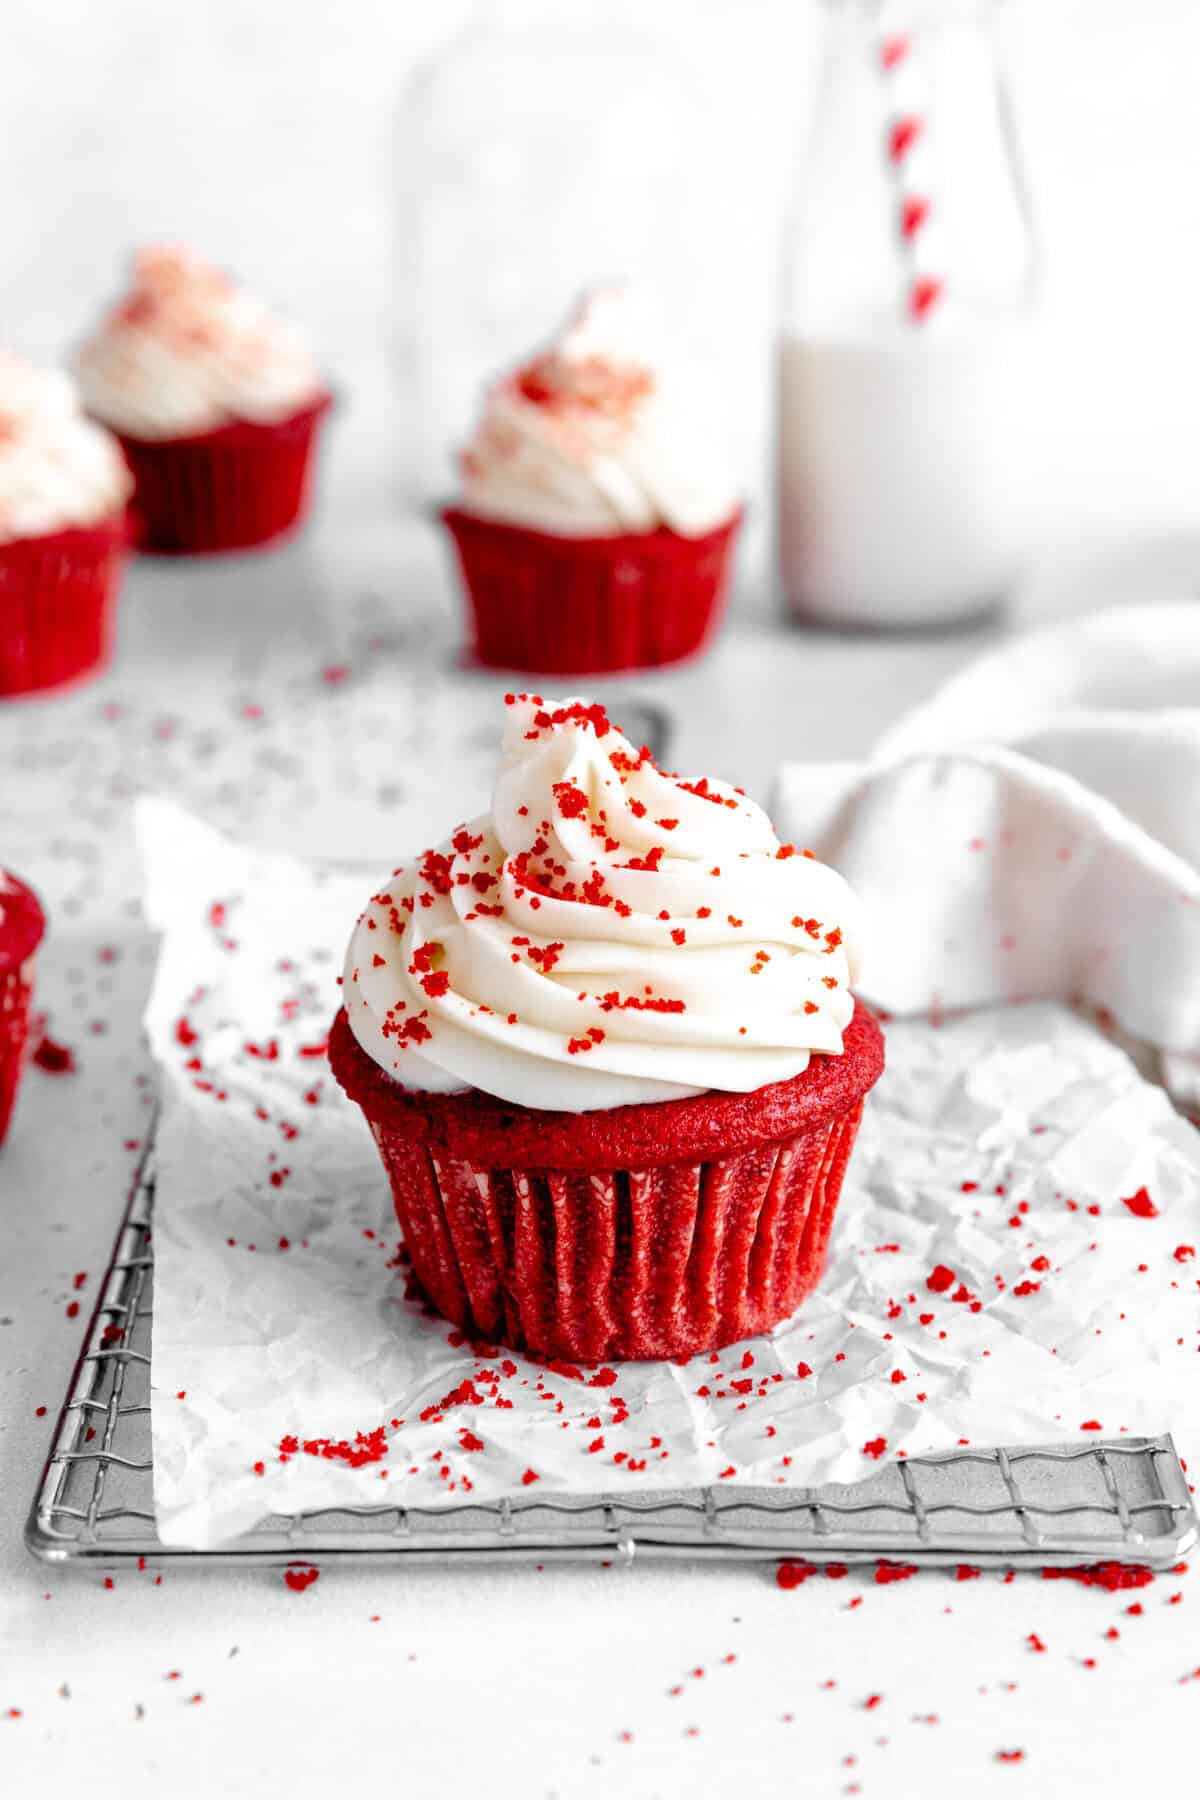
1050	1506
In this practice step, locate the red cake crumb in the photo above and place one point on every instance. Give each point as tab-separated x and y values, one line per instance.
1111	1576
54	1058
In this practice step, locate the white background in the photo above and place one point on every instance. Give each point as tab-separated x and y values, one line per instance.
264	134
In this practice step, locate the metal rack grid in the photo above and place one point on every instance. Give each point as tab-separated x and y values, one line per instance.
1040	1506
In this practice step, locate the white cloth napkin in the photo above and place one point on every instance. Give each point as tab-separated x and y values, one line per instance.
1034	832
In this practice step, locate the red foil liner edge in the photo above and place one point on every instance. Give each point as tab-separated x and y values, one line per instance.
548	605
656	1263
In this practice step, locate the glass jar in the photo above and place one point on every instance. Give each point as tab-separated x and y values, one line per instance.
908	392
543	151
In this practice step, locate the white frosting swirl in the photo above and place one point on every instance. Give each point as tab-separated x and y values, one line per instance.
589	440
187	351
57	469
609	935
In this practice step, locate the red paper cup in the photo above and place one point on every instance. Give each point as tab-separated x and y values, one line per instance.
228	489
57	595
22	924
548	605
646	1231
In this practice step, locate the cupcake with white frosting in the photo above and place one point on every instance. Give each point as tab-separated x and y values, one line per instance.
64	488
216	402
597	517
605	1040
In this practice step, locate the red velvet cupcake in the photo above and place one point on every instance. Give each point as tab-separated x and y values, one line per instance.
609	1054
217	405
22	924
63	489
596	530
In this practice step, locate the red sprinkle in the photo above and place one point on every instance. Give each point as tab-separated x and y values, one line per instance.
903	136
55	1059
792	1574
1108	1575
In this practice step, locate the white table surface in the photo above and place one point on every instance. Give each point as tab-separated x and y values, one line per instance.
540	1682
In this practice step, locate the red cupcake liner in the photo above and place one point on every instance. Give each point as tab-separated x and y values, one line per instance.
549	605
679	1255
229	489
22	924
57	595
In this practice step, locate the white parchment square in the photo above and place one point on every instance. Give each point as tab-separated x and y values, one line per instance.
291	1371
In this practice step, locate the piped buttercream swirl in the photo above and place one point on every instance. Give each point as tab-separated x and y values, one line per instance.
57	469
592	437
187	351
609	934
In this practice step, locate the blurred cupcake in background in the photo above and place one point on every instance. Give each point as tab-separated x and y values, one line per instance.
216	403
63	494
597	516
22	924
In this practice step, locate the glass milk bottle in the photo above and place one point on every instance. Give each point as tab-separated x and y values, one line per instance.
907	384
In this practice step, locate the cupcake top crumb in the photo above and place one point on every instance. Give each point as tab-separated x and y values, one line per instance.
57	469
187	351
596	436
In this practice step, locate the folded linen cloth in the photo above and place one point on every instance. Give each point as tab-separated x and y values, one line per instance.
1033	832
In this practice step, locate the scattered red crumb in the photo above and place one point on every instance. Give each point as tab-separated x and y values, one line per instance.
55	1059
791	1574
1010	1756
368	1447
887	1572
529	1477
871	1702
940	1279
1035	1642
1140	1205
875	1447
299	1579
